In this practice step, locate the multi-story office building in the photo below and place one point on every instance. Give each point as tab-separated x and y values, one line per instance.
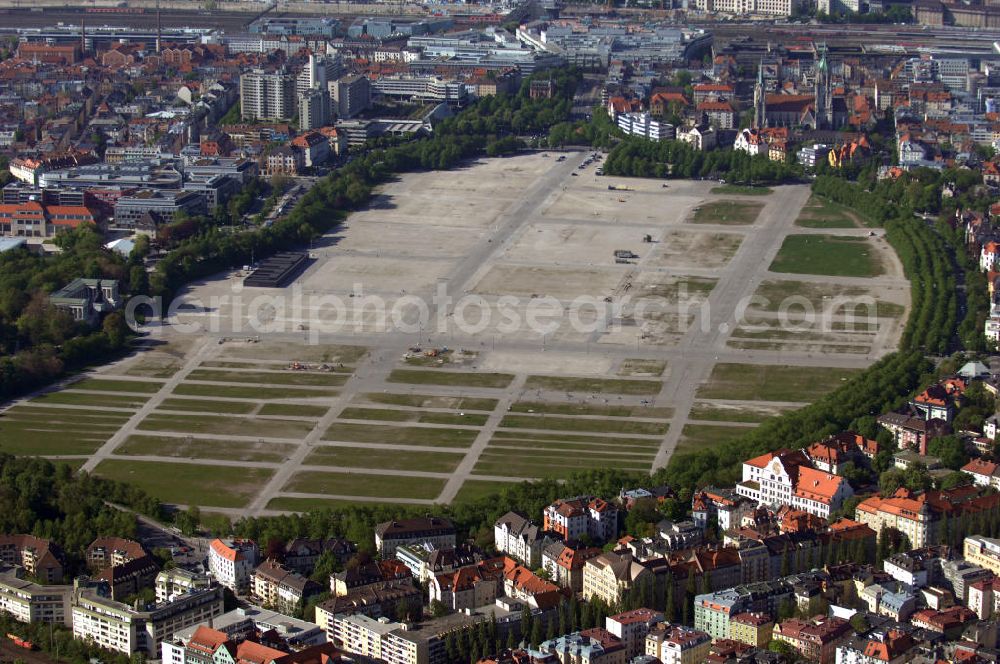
351	95
314	109
30	602
422	88
267	95
121	628
133	174
164	204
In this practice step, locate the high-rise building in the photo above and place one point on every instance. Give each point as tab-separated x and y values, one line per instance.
314	109
267	95
318	71
351	95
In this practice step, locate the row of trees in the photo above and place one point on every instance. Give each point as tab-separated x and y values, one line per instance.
637	157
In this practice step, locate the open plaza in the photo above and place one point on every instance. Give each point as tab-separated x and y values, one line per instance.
516	318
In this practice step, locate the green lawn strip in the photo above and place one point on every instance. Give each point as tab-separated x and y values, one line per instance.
248	392
548	407
823	213
423	417
796	335
429	401
399	435
640	367
71	398
709	413
854	326
293	410
789	345
153	368
290	378
466	419
556	456
356	484
189	483
476	489
200	448
290	504
226	426
580	424
63	426
728	213
612	448
700	436
78	414
16	439
454	378
514	434
829	255
379	414
593	385
753	382
355	457
745	190
136	386
771	295
207	406
523	465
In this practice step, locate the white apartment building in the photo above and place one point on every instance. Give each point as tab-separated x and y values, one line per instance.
788	478
519	538
643	125
372	639
121	628
232	563
30	602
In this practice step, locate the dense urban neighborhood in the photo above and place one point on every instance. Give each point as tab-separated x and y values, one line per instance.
732	395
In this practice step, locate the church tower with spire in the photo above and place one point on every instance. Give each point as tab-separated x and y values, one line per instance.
824	97
759	100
